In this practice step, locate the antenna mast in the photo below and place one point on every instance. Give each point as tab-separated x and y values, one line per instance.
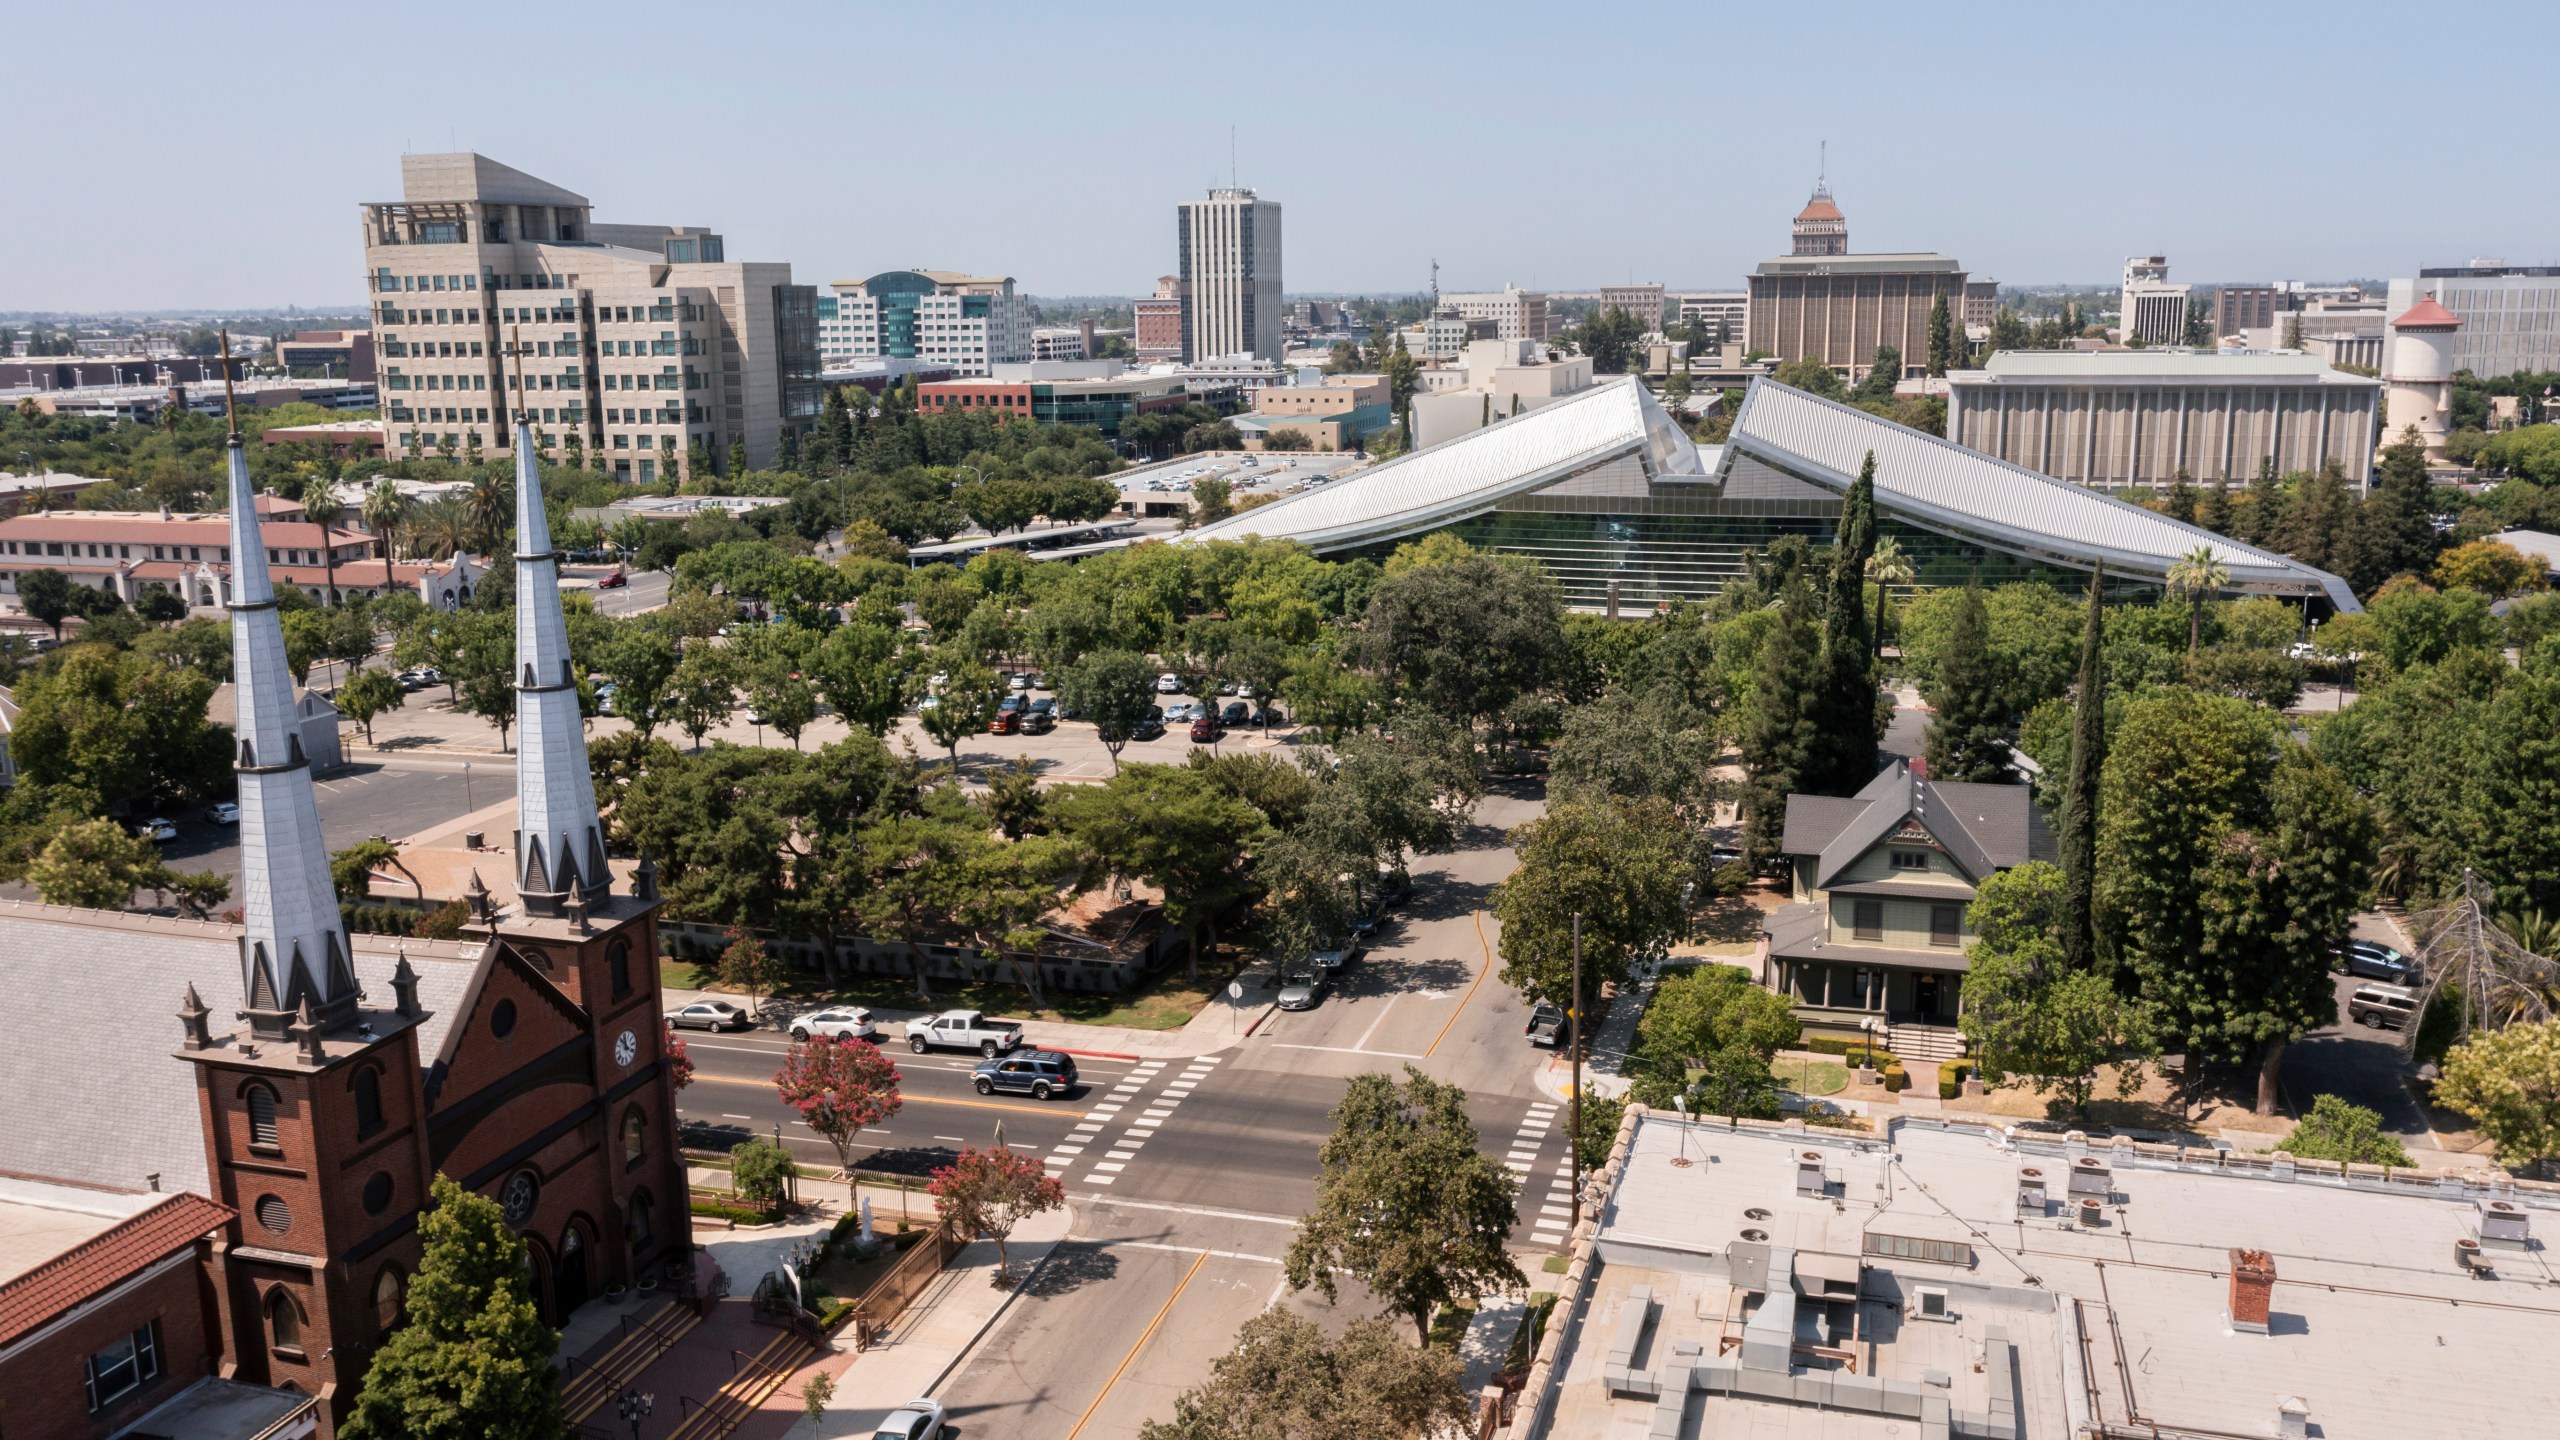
1435	285
1233	183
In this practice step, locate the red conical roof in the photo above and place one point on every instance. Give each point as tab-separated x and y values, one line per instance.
2427	315
1819	208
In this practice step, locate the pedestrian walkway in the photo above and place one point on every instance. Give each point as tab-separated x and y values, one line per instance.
1106	1167
1529	1159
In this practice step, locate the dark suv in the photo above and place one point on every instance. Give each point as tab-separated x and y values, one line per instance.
1036	1073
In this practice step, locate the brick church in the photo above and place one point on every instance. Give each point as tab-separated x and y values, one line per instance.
314	1082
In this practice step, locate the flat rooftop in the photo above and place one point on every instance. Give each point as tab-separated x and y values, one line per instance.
40	1221
2374	1325
2158	366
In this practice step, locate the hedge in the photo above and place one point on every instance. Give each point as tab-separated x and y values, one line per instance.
1951	1075
734	1214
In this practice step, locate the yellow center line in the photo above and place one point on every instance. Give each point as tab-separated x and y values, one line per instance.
920	1099
1144	1336
1481	971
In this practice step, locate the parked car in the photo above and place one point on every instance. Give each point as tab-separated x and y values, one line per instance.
1150	726
843	1022
1226	687
1008	716
1235	712
1266	715
222	812
1333	959
963	1030
709	1015
1303	989
2383	1007
1206	730
2368	960
915	1420
1365	925
1036	721
155	829
1017	682
1168	683
1181	712
1036	1073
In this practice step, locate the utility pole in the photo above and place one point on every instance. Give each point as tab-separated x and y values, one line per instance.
1573	1116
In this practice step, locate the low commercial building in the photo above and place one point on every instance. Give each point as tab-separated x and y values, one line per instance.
1493	380
1881	883
354	439
89	372
968	322
43	490
1157	320
2115	418
1098	393
328	354
1517	314
1334	412
1725	313
189	555
2510	314
1944	1276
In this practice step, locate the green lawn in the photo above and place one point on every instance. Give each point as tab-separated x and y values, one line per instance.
1166	1002
1811	1077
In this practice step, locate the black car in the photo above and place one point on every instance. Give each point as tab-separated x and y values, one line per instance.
2367	960
1036	1073
1041	718
1150	726
1546	1027
1236	712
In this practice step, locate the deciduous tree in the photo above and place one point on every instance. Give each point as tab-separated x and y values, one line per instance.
474	1360
839	1086
1114	689
2508	1083
989	1192
1285	1380
1619	864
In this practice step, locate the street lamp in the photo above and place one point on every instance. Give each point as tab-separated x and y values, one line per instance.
633	1407
1870	1025
1688	898
466	787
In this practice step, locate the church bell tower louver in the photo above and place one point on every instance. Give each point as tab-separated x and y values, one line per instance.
293	944
559	846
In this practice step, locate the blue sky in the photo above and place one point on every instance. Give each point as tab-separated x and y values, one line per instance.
215	155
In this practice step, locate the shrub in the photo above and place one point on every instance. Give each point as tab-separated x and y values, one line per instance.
1951	1075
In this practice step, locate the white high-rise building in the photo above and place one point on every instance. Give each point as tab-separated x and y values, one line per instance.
1230	276
1519	314
2154	310
941	317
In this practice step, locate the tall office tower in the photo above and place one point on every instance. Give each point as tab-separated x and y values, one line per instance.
2154	310
643	344
1230	276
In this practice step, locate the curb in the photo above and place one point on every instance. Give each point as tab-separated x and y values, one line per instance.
1096	1054
995	1315
1258	1019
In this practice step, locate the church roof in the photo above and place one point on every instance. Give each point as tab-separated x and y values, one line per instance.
88	1052
2426	315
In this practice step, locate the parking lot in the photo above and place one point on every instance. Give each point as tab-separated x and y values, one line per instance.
1166	486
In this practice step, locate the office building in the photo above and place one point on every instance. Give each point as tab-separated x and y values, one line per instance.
328	354
1098	393
314	1082
2247	307
2153	311
1438	337
1644	302
1981	302
1065	342
2113	418
1230	276
1516	314
968	322
1157	320
1334	412
1722	312
644	343
2417	373
1822	302
2510	314
1965	1276
1493	380
1624	511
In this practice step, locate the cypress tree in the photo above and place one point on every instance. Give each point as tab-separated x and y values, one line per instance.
2398	518
2215	513
2079	819
1969	737
1846	758
1778	742
2181	505
1939	348
2266	505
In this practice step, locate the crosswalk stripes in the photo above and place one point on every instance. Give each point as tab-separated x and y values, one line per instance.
1548	1226
1111	1110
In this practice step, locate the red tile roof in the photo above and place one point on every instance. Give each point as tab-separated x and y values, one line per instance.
1819	208
100	1262
2427	315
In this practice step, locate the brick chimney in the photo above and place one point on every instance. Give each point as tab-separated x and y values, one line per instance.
2253	1286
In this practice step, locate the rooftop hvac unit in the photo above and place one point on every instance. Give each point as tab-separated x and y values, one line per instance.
1929	1302
2505	1223
2030	1190
2093	1212
1809	1178
2090	1176
2467	1256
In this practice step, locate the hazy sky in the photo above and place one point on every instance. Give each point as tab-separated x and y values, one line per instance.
214	155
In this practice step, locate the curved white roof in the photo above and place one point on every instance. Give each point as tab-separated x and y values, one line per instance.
1464	476
1942	485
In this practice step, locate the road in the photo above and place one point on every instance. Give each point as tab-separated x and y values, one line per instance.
1187	1177
2361	1066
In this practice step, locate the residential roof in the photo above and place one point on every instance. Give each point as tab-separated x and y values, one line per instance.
2157	366
1461	477
1943	486
85	1050
1803	932
2426	315
1983	828
101	1260
2534	544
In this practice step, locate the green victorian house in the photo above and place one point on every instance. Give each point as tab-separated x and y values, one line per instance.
1881	882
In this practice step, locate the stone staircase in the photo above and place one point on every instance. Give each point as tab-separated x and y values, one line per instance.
1925	1042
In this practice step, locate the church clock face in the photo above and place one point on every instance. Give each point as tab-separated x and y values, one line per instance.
626	1048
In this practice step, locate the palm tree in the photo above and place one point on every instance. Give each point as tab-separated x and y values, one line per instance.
490	505
1887	566
384	512
321	505
2196	574
440	528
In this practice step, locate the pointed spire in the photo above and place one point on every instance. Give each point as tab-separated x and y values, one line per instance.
194	1016
404	987
293	944
559	846
306	1033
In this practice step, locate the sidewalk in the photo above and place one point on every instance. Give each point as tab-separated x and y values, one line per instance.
921	1351
1219	1025
1604	1067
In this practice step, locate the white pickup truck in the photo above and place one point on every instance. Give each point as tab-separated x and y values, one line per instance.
963	1030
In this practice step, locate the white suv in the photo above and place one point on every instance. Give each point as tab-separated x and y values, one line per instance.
1168	683
845	1022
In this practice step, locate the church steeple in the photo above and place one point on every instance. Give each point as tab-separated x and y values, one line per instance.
293	946
559	848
